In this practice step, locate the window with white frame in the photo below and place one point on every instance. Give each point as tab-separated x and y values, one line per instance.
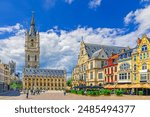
143	76
91	65
144	66
91	75
100	75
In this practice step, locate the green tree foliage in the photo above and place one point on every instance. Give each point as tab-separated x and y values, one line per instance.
69	83
16	85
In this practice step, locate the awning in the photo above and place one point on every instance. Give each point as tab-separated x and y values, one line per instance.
146	86
123	86
109	86
137	86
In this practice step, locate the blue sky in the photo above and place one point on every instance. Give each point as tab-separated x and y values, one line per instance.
50	13
62	24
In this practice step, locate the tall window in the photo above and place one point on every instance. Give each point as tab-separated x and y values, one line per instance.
115	69
144	48
144	66
115	77
135	58
32	43
100	75
91	75
102	64
91	65
135	67
84	78
140	56
134	76
28	58
35	58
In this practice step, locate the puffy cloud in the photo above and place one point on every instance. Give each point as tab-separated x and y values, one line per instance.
10	28
60	48
94	3
141	18
69	1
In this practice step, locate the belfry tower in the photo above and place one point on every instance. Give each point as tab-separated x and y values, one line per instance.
32	46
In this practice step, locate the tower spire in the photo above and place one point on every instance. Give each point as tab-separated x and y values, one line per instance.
32	26
32	19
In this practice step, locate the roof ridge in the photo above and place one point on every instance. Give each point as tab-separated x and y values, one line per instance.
104	45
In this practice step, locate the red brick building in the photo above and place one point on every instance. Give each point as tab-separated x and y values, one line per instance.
110	70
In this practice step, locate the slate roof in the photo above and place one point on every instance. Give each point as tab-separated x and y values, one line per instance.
97	53
44	72
92	48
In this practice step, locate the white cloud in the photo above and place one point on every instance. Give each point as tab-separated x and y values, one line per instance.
145	0
69	1
94	3
129	18
61	50
10	28
141	18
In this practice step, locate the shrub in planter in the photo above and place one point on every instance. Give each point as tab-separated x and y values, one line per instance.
140	92
119	92
97	93
107	92
74	91
101	91
88	92
81	92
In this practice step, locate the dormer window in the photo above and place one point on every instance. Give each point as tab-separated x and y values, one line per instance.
144	48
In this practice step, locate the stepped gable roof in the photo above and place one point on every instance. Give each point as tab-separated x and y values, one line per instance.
44	72
92	48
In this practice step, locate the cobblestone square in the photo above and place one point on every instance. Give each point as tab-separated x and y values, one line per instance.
59	95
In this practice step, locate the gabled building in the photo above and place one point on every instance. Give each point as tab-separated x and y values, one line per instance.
91	59
125	67
110	69
143	60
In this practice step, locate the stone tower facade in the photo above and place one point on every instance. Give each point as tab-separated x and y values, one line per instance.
32	46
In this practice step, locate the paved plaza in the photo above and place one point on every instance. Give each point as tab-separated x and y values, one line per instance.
58	95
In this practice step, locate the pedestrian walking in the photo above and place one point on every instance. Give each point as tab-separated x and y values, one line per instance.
64	93
27	95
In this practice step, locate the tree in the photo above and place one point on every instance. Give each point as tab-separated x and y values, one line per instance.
69	82
13	86
16	85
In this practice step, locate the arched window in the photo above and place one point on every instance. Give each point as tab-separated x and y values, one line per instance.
144	48
28	58
144	66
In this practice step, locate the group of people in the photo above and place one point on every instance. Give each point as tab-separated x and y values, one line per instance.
33	92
